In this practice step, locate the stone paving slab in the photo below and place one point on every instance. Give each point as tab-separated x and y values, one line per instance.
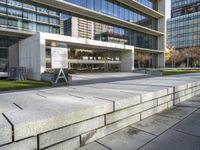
93	78
120	99
5	107
125	87
99	133
112	117
162	82
93	146
126	139
178	112
86	76
5	131
27	144
71	144
146	92
155	124
180	133
193	102
68	132
173	140
190	125
32	121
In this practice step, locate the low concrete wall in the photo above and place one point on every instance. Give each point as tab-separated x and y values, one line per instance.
122	114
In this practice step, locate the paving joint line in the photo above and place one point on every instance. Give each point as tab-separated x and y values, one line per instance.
186	133
18	106
103	145
12	127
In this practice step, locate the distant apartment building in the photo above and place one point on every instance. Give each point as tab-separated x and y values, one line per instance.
183	29
83	28
79	27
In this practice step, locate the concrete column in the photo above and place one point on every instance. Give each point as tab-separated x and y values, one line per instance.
161	60
161	6
127	61
161	39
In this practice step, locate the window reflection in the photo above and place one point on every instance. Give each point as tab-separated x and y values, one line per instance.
121	11
86	60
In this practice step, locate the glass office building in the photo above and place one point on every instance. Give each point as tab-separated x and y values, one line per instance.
183	29
181	3
26	16
139	27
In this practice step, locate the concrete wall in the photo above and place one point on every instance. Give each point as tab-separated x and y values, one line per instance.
13	56
30	56
54	131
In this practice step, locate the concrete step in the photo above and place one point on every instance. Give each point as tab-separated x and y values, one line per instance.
92	78
70	117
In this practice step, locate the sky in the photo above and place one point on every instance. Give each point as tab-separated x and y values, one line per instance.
168	9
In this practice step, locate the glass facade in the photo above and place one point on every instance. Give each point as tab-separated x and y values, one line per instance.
181	3
110	33
153	4
184	31
31	16
190	7
27	16
24	15
86	60
120	11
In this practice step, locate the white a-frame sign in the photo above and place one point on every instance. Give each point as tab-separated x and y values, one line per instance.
59	60
61	75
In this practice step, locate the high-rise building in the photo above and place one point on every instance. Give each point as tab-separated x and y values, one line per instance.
183	29
98	33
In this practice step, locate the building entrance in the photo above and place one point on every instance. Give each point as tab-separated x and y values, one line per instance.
84	60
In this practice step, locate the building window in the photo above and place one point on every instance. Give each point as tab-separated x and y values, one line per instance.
198	8
15	3
3	21
14	12
29	15
42	10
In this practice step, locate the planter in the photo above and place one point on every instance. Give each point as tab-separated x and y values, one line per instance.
51	76
48	77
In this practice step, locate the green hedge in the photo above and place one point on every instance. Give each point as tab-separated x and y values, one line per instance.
181	71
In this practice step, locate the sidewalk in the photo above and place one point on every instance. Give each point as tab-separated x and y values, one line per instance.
174	129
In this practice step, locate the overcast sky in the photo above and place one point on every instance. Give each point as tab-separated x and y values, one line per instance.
168	9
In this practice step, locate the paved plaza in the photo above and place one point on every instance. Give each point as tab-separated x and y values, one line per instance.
74	116
175	129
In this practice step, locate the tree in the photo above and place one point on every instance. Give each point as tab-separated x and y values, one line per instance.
168	54
172	57
192	56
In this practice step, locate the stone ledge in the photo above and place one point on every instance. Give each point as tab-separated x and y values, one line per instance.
68	132
5	131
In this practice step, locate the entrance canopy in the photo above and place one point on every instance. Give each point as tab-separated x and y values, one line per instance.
86	43
35	54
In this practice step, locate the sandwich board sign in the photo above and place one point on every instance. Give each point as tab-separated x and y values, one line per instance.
59	60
